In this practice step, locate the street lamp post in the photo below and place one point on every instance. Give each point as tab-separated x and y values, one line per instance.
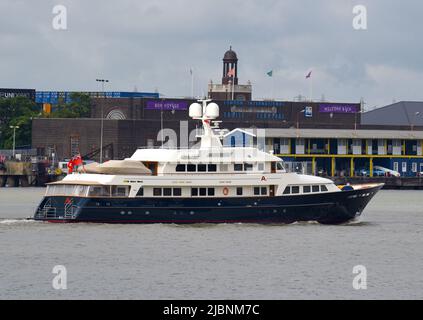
102	124
14	138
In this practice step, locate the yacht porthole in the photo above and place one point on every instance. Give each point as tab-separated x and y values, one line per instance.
284	210
147	212
191	212
275	211
122	212
129	212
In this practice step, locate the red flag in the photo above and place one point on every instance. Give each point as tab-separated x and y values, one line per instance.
77	160
231	72
70	166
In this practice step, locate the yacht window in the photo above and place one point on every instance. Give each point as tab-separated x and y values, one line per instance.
306	189
140	192
194	192
248	167
287	190
295	189
167	192
323	188
203	191
239	191
177	192
120	191
315	188
202	168
263	191
223	167
238	167
181	168
260	166
157	192
210	191
212	168
279	166
256	191
191	168
99	191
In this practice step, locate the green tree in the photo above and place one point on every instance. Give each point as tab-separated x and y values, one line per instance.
79	107
17	111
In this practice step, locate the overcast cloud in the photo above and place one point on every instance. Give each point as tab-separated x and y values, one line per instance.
153	44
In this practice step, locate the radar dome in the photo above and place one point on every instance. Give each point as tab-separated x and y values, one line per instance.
212	110
195	110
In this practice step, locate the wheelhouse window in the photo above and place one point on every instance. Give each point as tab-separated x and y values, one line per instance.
238	167
287	190
212	168
191	168
99	191
210	191
256	191
239	191
248	167
306	189
315	188
120	191
202	168
177	192
203	192
263	191
323	188
140	192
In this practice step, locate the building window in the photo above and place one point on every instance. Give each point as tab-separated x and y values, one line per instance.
239	191
404	167
295	189
306	189
157	192
414	167
181	168
396	166
74	145
140	192
177	192
167	192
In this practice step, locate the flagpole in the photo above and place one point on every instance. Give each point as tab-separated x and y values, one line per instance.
233	83
273	96
192	83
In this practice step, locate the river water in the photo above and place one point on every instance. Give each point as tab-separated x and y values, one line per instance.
227	261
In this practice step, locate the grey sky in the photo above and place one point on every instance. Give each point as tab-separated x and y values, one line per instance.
153	44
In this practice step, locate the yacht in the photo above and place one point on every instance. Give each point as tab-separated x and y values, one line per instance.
209	183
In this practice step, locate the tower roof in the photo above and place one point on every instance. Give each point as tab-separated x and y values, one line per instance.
230	55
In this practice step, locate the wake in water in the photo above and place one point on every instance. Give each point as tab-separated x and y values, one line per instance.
15	221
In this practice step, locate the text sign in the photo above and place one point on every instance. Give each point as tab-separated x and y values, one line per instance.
167	105
338	108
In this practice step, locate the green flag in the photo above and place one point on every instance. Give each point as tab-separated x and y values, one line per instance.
270	73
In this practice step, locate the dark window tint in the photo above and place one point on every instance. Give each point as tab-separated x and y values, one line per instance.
238	166
194	192
315	188
306	189
180	168
203	191
323	188
191	168
256	191
140	192
248	166
210	191
212	168
239	191
287	190
177	192
167	191
202	168
263	191
157	191
295	189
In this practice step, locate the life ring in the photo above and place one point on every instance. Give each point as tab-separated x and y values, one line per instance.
225	191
